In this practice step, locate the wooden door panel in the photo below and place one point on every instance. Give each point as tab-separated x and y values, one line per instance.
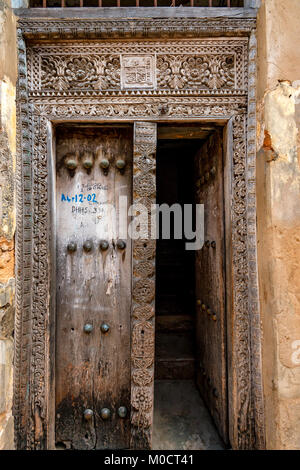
92	368
210	283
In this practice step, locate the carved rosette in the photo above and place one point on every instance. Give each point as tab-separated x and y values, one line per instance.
142	353
196	71
61	73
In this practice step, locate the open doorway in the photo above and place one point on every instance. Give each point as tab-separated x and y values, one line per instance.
190	409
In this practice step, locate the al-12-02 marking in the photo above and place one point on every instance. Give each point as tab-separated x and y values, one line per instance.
79	198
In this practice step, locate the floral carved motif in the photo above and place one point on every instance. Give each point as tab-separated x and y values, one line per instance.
144	269
203	66
142	377
145	184
143	339
103	72
195	71
142	398
143	312
77	72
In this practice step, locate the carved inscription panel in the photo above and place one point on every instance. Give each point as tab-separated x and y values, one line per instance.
137	71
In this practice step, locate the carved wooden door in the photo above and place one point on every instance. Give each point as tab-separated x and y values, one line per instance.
210	283
93	288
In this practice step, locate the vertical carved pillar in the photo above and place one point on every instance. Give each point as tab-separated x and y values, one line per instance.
241	364
142	352
40	283
21	408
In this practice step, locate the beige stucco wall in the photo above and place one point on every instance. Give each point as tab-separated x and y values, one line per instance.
278	185
8	71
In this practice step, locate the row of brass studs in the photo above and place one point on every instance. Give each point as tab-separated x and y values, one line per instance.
88	328
71	162
207	244
206	309
88	246
105	413
208	381
205	179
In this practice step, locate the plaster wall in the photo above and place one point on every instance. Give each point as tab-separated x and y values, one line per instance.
278	218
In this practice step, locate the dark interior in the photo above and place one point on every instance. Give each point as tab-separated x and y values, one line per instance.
175	284
181	416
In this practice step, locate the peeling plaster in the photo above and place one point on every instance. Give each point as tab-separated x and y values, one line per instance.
278	216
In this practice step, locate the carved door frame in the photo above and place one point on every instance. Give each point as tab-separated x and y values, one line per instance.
39	110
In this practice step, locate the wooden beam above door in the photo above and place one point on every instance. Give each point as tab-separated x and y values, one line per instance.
184	132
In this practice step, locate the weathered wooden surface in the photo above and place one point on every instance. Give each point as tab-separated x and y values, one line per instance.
174	323
175	355
92	369
210	283
184	131
132	12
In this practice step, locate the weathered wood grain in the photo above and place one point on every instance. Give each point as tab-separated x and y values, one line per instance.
210	284
132	12
92	369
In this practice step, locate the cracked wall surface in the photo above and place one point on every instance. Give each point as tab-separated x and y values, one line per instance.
8	72
278	191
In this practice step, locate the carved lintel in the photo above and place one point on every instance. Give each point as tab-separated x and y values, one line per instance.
74	28
200	67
